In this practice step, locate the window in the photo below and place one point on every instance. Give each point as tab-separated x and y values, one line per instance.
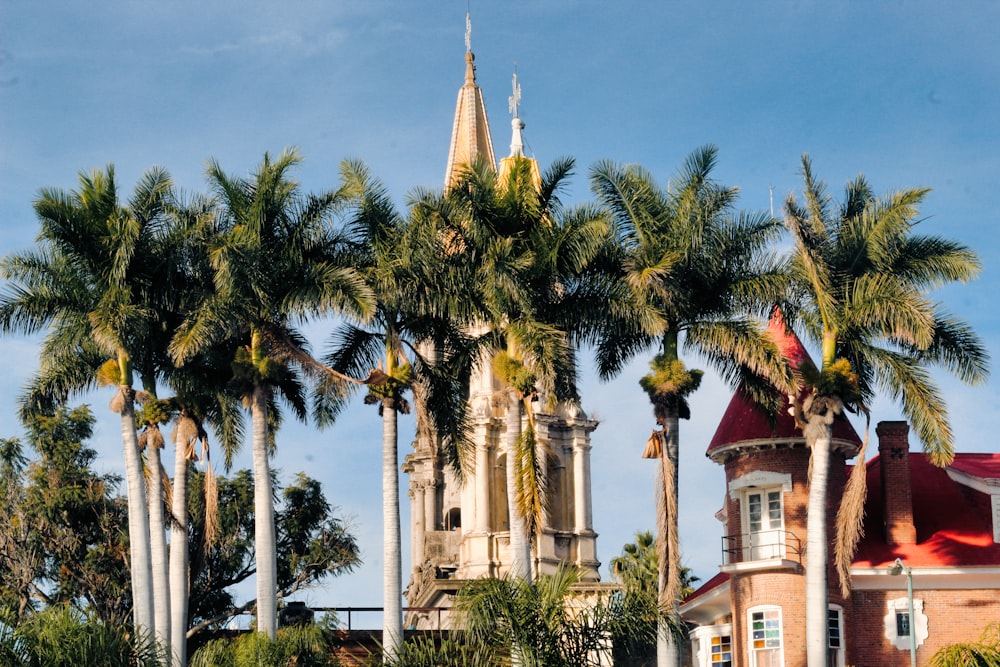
765	637
899	627
764	525
835	636
721	652
902	624
713	645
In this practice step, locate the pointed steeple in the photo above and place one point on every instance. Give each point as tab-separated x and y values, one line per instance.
470	135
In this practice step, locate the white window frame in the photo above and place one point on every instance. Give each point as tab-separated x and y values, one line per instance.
762	482
701	640
839	662
918	624
751	652
764	544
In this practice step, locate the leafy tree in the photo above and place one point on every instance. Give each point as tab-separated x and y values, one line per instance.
311	545
273	265
405	317
64	539
62	532
694	272
862	280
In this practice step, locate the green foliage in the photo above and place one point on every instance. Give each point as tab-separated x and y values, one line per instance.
399	381
67	531
547	624
668	385
837	379
513	373
154	412
311	544
425	651
67	637
983	653
669	377
636	570
862	278
64	528
296	646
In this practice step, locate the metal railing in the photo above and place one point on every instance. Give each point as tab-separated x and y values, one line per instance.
351	612
761	545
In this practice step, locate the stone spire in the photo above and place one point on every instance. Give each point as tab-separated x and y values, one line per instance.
470	136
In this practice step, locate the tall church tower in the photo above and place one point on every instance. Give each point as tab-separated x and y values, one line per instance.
460	529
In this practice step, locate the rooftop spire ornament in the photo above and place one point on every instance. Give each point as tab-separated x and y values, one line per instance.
468	32
515	99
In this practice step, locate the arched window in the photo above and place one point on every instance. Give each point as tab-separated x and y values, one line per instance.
453	519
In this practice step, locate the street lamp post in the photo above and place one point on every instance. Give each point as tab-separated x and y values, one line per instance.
896	569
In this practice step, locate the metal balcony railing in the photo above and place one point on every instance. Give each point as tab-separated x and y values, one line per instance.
761	545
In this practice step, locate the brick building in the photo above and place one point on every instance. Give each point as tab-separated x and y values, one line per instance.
942	524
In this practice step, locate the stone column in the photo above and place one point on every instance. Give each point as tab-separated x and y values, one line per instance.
430	504
482	482
417	523
582	508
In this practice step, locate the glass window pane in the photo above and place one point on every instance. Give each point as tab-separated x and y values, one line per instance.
902	624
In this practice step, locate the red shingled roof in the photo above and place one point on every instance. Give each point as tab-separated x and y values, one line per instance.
953	522
744	421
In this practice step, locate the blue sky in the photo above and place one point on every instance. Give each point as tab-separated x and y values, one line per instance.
906	92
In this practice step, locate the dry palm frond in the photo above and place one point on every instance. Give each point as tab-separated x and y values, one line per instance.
654	446
667	545
851	517
117	403
168	488
211	500
155	437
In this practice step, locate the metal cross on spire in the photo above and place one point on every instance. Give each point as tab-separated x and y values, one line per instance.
514	100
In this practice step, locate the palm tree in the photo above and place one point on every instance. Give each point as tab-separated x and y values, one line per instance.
89	284
273	265
861	281
687	265
526	259
397	257
377	230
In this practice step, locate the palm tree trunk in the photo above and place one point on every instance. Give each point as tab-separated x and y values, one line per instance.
392	571
264	533
819	433
138	518
158	547
179	559
520	558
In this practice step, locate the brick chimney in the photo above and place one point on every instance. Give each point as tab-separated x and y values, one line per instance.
897	496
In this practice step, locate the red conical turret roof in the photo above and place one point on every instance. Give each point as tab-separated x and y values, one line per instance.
744	422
